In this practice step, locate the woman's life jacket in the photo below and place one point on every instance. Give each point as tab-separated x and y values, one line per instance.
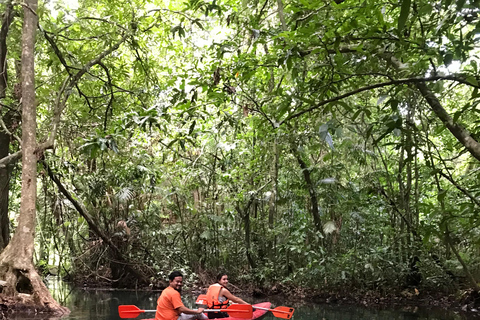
212	297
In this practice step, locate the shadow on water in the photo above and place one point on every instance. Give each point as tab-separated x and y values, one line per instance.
103	305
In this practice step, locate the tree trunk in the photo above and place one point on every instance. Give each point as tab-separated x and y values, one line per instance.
246	218
16	261
272	205
4	190
7	20
4	137
311	190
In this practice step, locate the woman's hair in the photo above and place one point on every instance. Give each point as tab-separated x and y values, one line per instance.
175	274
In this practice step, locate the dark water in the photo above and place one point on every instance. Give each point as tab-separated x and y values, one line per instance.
103	305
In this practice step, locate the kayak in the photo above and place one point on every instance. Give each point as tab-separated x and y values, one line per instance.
257	313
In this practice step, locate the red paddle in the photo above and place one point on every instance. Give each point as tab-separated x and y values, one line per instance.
279	312
235	310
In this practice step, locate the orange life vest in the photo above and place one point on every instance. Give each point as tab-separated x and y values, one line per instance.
213	295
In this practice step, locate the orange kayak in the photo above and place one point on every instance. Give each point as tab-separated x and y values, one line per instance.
257	313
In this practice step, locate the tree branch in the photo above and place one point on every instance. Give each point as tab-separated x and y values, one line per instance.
462	134
67	87
460	188
110	102
4	127
10	159
375	86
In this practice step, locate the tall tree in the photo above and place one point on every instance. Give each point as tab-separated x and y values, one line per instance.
16	261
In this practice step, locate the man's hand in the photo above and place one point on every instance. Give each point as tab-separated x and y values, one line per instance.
200	310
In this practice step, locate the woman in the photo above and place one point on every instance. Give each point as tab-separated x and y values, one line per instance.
218	297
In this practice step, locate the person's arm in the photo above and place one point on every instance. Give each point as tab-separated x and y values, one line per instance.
183	309
180	307
231	297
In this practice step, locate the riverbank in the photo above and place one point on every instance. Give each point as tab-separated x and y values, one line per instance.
464	301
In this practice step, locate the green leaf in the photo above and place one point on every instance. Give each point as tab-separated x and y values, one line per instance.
441	195
474	93
472	80
192	127
181	32
199	24
345	105
283	108
171	143
356	114
474	65
439	129
394	105
447	58
456	115
404	11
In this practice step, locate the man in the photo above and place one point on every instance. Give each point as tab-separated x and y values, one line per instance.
170	305
218	297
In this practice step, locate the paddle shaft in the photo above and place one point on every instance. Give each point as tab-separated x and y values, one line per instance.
138	311
266	309
206	310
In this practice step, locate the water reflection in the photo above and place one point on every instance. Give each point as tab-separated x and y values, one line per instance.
103	305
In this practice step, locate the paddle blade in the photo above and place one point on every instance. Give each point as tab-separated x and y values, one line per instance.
202	299
283	312
129	311
244	311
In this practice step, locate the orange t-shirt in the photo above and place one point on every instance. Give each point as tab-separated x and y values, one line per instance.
168	301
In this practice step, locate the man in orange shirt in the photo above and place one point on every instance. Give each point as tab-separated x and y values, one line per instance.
170	305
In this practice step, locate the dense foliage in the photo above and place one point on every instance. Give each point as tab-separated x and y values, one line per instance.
308	143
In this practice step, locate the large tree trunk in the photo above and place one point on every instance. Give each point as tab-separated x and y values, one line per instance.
16	261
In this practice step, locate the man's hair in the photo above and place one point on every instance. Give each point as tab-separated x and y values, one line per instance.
174	274
220	275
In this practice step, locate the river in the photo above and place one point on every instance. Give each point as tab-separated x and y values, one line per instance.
103	305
